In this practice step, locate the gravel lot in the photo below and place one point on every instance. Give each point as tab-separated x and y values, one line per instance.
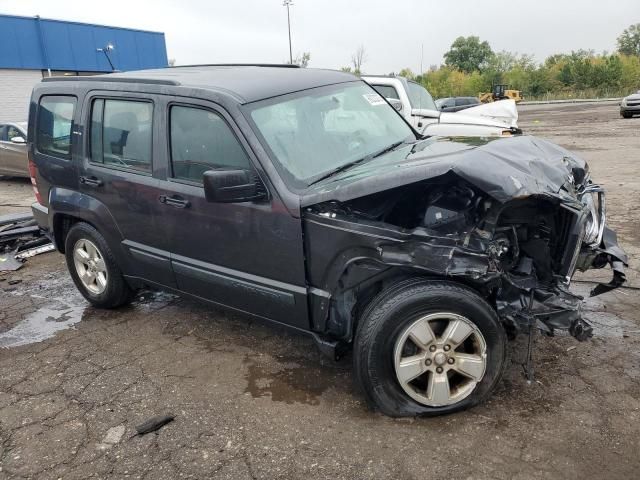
254	402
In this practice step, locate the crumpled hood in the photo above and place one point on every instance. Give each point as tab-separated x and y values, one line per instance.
504	168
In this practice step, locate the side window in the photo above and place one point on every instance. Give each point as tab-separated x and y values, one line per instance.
121	133
53	129
3	133
387	91
462	101
201	140
13	132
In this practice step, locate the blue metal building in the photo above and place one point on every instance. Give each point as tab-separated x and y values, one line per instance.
34	47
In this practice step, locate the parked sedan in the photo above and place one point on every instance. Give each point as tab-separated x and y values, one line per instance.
455	104
13	149
630	105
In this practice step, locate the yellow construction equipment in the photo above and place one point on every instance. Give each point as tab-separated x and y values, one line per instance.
500	92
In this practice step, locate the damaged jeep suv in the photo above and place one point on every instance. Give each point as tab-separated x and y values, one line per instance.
302	197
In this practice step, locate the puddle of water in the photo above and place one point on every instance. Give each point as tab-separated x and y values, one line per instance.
41	325
291	384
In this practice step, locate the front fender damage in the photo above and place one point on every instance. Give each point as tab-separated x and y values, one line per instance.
519	254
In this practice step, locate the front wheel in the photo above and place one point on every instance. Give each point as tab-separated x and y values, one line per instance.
427	347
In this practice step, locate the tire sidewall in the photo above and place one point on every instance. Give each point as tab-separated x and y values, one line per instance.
85	231
391	322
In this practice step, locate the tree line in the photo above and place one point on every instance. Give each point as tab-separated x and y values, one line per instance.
471	67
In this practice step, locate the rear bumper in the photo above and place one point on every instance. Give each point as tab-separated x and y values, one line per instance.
41	216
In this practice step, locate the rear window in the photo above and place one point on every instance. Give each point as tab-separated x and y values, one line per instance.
55	121
121	133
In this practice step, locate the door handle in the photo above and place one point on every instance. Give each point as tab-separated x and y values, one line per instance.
91	181
174	201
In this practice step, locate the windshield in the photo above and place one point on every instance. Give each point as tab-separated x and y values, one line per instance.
420	97
323	129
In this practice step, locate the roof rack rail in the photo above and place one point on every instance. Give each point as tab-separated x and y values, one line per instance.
101	78
277	65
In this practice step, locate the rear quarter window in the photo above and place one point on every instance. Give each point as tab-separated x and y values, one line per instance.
54	125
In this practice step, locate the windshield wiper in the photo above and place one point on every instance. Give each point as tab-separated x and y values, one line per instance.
364	159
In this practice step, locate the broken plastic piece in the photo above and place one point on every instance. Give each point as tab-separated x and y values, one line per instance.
153	424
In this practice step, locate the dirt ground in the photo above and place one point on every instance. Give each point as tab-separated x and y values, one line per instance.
254	402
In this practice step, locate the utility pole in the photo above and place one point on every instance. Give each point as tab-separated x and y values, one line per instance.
288	3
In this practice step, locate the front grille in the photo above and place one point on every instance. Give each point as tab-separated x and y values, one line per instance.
635	103
570	241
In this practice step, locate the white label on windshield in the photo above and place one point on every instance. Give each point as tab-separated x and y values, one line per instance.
374	99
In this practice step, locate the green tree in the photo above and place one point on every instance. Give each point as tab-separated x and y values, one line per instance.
629	41
468	54
406	73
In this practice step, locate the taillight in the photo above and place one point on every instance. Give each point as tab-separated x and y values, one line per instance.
33	170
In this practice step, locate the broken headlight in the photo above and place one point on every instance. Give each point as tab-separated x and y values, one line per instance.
592	197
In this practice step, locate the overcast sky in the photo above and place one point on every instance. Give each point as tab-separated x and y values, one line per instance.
392	32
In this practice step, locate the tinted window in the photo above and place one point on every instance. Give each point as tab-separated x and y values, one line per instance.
461	102
3	133
387	91
53	131
201	140
121	133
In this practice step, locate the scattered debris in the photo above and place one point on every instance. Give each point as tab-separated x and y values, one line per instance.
20	238
571	348
153	424
8	262
15	281
32	252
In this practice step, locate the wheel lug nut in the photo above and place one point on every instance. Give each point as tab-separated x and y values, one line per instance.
432	348
451	361
439	370
428	361
447	348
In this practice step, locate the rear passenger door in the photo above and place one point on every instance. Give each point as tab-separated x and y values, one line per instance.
245	255
118	173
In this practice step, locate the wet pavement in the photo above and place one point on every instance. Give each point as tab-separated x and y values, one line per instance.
253	401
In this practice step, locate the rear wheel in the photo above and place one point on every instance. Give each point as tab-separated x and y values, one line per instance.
626	115
428	348
93	268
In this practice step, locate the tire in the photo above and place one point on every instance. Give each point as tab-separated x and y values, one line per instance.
108	290
626	115
385	323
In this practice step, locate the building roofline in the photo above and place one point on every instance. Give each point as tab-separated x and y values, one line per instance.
266	65
73	22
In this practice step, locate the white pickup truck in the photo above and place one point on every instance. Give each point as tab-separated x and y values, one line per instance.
416	104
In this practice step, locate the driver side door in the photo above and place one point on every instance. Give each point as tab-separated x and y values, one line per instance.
246	255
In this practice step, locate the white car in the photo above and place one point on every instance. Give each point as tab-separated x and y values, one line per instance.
416	104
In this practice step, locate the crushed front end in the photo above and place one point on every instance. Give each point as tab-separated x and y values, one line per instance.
515	235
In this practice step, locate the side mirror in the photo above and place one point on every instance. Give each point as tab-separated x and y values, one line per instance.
230	186
19	140
395	103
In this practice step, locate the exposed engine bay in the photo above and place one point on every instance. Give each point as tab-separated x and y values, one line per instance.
520	254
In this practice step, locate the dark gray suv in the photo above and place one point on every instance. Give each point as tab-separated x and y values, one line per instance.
302	197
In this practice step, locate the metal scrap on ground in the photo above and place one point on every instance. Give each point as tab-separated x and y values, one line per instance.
20	238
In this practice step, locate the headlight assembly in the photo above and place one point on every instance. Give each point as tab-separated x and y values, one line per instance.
592	198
